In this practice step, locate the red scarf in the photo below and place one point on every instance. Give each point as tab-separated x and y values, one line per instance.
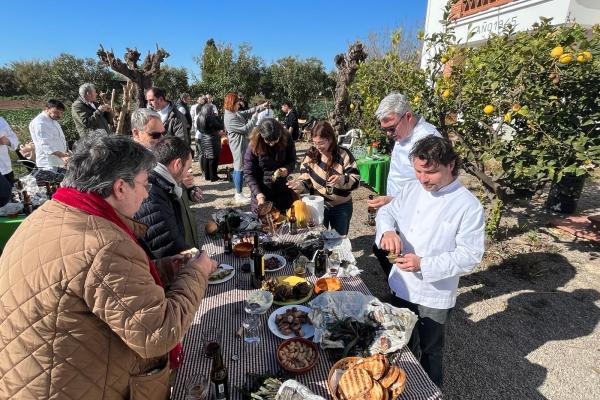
93	204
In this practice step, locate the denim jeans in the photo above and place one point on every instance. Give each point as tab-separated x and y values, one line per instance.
427	339
238	180
338	217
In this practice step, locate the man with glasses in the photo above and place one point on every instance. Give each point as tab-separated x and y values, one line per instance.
400	123
163	210
146	127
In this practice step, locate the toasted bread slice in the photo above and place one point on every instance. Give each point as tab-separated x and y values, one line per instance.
398	387
354	382
376	366
390	377
376	393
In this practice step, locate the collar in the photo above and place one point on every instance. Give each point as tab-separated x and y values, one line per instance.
164	173
139	229
449	188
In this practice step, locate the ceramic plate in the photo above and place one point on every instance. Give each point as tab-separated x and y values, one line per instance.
291	281
309	329
220	268
282	262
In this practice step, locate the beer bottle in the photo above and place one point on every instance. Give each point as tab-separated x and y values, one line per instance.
371	213
258	263
227	238
218	376
320	263
293	222
27	204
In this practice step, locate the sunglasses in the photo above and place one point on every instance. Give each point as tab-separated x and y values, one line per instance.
156	134
392	129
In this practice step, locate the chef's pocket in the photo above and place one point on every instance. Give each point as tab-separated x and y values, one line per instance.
444	238
151	386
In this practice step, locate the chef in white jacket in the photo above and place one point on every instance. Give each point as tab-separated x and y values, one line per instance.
435	226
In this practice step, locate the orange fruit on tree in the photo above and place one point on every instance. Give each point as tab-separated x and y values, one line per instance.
580	58
488	109
557	52
565	58
587	55
446	93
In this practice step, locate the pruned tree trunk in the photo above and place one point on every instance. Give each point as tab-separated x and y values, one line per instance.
347	65
122	121
140	75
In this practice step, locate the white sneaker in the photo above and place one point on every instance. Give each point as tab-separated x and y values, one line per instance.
241	200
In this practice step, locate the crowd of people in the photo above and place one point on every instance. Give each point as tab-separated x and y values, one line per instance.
97	286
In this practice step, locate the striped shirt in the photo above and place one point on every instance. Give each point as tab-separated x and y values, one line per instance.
315	176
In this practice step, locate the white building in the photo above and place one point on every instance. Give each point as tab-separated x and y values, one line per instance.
484	17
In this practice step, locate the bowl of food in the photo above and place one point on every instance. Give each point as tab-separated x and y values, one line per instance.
242	249
329	284
297	355
263	298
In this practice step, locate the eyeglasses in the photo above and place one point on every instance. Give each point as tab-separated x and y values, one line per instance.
392	129
321	143
156	134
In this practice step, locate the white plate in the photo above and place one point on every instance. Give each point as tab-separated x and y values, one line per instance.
309	329
228	277
282	262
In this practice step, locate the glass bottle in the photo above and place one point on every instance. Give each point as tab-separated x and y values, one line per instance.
218	376
27	204
293	222
258	263
371	213
227	238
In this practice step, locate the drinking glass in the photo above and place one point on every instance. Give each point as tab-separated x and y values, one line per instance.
211	339
333	264
197	387
251	323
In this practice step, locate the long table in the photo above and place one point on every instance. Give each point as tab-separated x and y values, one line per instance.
223	308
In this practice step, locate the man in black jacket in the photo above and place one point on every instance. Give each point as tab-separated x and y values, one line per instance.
291	120
174	121
161	211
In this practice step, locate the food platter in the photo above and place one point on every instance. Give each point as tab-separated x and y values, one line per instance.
307	328
221	269
282	262
291	281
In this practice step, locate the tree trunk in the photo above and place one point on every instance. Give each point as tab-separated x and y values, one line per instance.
347	65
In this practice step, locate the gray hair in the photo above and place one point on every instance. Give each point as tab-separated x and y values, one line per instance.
86	89
141	116
99	160
395	103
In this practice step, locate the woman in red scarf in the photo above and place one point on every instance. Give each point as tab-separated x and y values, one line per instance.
86	313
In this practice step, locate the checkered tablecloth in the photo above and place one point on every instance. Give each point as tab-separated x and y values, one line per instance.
223	308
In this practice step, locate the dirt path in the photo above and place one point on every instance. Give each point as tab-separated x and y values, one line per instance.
526	321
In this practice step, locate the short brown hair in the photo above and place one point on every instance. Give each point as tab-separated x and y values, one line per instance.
231	100
257	142
435	150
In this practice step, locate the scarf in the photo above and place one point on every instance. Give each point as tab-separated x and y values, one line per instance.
164	172
94	204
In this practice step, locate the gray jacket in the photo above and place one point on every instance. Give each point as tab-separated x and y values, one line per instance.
88	119
238	129
176	124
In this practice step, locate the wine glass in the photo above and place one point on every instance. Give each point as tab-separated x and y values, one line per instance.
256	304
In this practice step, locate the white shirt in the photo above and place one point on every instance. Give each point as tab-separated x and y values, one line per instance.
445	229
164	113
5	130
48	137
401	168
266	113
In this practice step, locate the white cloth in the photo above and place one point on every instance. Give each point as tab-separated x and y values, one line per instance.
401	169
445	229
266	113
5	130
48	137
164	113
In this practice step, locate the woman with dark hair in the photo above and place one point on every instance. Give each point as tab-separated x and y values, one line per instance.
330	170
238	125
210	143
269	159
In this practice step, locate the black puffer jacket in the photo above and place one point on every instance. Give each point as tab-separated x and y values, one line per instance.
162	213
176	125
211	141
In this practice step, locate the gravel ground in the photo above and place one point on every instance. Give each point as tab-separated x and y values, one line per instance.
526	321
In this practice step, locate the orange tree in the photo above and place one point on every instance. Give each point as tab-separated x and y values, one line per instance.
523	108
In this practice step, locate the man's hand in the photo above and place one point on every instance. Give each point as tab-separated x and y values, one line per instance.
104	108
175	262
409	263
188	179
260	198
4	141
196	194
379	201
391	242
203	263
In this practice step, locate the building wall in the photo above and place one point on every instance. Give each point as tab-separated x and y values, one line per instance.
520	13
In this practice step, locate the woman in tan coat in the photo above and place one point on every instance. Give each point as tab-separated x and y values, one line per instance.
85	313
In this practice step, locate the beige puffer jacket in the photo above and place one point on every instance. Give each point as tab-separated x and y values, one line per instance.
81	316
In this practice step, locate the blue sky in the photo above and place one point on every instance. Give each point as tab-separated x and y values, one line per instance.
274	29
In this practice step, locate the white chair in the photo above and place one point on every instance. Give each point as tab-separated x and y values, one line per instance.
347	140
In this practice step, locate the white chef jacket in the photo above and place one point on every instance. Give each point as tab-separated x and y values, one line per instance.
48	137
401	168
445	229
5	130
